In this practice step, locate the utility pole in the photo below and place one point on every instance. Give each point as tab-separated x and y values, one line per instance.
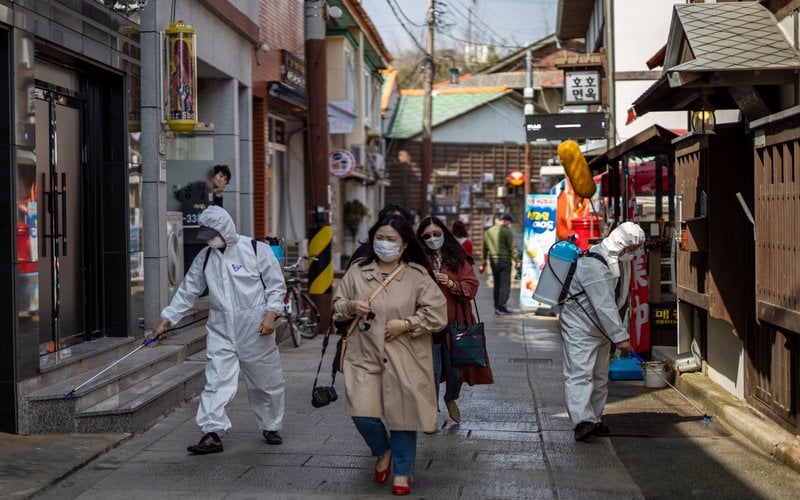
528	110
319	233
427	112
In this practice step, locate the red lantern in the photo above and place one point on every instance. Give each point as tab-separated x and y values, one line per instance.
516	178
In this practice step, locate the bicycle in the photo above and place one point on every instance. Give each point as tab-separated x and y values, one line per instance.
301	313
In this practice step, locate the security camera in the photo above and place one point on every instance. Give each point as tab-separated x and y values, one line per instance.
263	47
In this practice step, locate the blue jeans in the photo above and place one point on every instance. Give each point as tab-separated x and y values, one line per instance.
402	443
452	386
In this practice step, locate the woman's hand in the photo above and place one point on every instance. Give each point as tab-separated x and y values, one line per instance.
395	328
267	326
443	279
359	307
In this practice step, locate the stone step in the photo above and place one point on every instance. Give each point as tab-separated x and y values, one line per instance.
137	406
140	365
193	338
77	360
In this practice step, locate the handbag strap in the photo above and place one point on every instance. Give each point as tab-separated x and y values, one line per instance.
477	314
374	294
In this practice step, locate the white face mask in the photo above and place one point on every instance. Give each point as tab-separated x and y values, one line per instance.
216	242
387	251
626	257
435	243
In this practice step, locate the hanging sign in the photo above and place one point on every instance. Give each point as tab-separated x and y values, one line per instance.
341	163
182	74
581	87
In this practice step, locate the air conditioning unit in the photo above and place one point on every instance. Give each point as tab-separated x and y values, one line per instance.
501	192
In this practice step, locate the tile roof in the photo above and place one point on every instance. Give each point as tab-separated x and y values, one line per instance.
730	36
447	105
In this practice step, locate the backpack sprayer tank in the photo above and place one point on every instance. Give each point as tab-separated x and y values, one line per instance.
557	273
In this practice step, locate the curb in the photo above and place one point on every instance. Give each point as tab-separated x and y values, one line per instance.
774	440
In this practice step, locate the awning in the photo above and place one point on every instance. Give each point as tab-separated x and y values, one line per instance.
728	53
340	119
289	99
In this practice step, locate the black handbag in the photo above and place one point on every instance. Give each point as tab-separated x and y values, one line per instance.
468	343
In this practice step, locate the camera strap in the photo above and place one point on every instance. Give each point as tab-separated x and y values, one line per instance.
324	347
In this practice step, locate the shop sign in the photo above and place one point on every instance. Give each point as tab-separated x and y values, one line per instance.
294	71
581	87
560	126
341	163
664	315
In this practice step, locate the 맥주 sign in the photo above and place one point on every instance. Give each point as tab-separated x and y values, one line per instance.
341	163
581	87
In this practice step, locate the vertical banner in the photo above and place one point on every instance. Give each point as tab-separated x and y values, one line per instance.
640	303
539	236
640	293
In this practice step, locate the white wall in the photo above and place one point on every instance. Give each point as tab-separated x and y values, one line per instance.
499	121
636	41
629	91
640	30
725	357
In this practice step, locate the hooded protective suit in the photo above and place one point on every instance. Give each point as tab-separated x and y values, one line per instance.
239	302
599	293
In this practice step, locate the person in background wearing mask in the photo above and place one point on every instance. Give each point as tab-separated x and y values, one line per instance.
462	236
246	291
591	319
500	251
453	271
364	249
387	364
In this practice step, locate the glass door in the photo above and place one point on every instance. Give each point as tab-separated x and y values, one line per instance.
58	223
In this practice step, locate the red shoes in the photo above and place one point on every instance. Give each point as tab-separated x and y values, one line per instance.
401	490
381	476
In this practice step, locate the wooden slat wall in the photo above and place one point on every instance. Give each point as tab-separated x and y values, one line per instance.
777	213
470	161
691	267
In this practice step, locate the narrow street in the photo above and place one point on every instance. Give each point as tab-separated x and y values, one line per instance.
514	441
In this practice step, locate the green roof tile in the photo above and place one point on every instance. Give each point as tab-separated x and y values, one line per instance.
407	120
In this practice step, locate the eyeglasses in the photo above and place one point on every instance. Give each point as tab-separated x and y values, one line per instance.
364	326
435	234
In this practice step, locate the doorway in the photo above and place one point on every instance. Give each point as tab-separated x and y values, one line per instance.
54	216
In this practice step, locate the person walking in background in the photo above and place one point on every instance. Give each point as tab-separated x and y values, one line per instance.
246	290
462	236
364	249
592	318
502	254
387	363
453	271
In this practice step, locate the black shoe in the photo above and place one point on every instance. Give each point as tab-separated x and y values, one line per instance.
585	429
211	443
272	437
502	310
602	429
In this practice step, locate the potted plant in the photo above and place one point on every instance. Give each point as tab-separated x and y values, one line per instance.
354	213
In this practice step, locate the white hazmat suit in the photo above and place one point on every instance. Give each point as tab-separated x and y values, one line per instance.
596	305
243	284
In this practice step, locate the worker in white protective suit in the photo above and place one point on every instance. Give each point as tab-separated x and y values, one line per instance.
246	291
591	319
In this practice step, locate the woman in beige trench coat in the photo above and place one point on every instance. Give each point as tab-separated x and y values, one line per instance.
388	364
